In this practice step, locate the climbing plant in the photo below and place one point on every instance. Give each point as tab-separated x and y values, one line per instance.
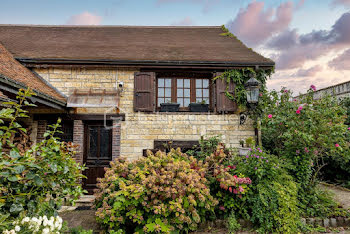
240	76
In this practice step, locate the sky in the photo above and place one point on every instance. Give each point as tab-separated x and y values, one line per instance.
308	39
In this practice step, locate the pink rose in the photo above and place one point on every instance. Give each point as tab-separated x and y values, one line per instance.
313	87
298	111
300	107
269	116
337	145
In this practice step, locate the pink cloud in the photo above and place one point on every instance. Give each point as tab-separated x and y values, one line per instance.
312	71
184	22
84	18
294	49
342	62
255	24
341	2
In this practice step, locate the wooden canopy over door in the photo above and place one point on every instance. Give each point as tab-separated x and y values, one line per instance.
97	152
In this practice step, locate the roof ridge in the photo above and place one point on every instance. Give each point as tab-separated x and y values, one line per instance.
104	26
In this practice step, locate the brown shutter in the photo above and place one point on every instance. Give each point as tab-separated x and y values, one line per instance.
223	103
144	91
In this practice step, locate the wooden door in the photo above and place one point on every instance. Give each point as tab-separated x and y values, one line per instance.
97	153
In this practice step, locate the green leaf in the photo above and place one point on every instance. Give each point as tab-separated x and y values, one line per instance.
12	178
19	169
14	153
16	208
37	180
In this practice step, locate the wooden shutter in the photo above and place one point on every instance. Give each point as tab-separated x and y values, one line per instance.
223	103
144	91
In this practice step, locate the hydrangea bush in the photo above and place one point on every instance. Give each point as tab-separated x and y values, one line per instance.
158	193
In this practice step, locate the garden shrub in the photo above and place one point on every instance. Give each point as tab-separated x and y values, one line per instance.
271	203
304	131
37	181
337	170
226	185
158	193
41	224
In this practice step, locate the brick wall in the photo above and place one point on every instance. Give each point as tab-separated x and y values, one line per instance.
139	130
116	139
41	129
78	139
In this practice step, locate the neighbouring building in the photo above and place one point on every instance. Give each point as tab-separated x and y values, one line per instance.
340	91
93	76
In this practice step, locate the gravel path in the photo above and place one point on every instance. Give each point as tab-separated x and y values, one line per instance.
341	195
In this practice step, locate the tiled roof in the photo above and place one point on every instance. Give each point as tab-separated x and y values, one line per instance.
12	69
128	43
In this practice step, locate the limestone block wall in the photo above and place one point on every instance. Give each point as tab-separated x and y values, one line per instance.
139	130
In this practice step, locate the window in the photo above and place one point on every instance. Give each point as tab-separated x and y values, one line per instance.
183	91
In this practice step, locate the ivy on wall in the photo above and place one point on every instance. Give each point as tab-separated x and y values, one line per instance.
239	77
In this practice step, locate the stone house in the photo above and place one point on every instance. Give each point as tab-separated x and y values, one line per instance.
118	76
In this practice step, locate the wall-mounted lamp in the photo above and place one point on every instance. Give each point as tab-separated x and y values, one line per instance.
252	87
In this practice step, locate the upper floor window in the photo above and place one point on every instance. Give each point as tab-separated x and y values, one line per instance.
183	91
151	89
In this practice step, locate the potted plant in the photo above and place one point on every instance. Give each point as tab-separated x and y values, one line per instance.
199	106
169	107
249	143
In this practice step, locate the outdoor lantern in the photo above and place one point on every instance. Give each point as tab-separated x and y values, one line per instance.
252	87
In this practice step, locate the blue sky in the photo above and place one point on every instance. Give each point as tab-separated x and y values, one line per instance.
315	14
306	17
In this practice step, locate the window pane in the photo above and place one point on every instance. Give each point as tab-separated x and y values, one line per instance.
187	92
187	83
180	93
205	83
168	83
104	144
160	82
199	99
180	100
199	93
206	100
93	132
160	100
167	92
186	102
205	92
167	100
160	92
180	83
198	83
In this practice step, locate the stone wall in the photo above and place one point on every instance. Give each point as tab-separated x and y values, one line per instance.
139	130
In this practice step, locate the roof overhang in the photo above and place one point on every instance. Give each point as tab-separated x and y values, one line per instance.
46	62
11	87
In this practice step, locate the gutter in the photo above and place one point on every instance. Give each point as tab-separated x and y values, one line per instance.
12	86
141	62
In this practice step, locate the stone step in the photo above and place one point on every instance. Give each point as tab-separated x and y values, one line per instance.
85	202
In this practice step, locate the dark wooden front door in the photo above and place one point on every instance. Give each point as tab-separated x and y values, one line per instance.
97	153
